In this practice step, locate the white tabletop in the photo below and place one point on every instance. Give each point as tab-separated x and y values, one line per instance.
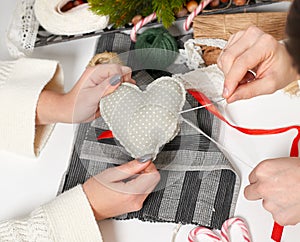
27	183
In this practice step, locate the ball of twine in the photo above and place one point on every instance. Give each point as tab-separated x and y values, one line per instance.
105	58
156	47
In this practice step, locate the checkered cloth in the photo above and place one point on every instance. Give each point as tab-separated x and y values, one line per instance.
198	185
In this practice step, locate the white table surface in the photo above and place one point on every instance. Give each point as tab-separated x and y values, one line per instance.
27	183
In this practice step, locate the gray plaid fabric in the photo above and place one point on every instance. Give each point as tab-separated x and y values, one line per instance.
198	185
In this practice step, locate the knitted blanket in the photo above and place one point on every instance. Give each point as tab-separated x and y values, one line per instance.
198	184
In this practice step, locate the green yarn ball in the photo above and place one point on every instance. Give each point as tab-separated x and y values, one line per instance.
156	49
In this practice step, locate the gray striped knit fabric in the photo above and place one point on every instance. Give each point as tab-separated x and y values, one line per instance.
198	185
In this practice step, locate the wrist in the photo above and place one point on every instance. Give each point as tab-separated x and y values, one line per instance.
52	107
66	108
88	189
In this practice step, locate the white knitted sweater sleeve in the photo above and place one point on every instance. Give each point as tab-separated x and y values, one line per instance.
68	218
21	83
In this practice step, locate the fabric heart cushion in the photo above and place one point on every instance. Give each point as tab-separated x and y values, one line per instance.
143	121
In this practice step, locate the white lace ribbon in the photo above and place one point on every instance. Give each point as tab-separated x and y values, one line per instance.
22	30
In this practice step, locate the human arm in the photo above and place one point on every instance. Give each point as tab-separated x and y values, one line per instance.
72	215
253	49
277	183
66	218
32	100
21	83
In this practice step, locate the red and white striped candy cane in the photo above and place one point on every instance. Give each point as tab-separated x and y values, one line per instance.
235	221
190	18
224	236
140	24
205	232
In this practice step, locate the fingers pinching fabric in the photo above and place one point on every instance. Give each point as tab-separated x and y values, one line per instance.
143	121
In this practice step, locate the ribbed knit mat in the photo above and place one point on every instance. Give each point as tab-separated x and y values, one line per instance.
198	184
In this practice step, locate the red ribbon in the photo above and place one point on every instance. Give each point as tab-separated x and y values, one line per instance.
203	100
294	151
107	134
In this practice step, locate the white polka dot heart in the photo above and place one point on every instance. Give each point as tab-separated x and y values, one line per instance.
143	121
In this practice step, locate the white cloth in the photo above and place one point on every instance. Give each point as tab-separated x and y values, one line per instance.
78	20
29	14
21	83
69	218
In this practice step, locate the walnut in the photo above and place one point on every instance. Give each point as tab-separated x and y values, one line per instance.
210	54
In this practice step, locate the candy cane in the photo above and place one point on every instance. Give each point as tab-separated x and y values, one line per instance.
235	221
140	24
224	236
203	231
190	18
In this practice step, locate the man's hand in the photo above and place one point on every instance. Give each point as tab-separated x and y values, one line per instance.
255	50
277	183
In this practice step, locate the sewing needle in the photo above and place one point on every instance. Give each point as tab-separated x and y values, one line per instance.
192	109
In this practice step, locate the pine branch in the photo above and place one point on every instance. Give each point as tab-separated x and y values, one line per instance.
121	12
165	10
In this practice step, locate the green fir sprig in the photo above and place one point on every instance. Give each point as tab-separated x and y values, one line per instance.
166	9
121	12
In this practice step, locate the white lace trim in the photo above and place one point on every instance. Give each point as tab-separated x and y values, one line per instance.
208	80
22	30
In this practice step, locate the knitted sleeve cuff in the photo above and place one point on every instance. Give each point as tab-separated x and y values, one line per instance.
21	83
72	218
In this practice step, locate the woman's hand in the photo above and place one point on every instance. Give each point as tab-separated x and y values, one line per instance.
255	50
121	189
277	183
81	104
